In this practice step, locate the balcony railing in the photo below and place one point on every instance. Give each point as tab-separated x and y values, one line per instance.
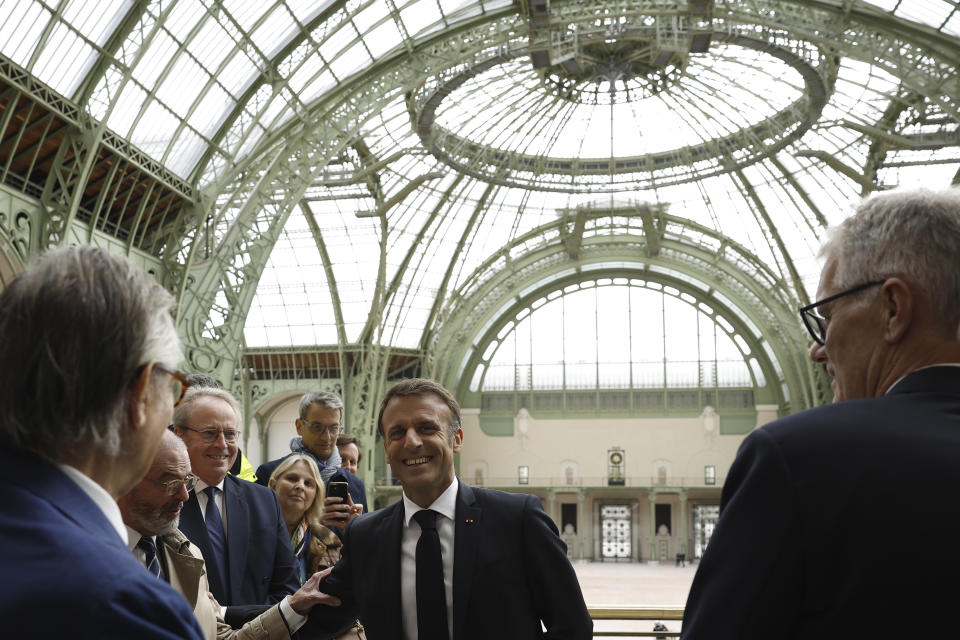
595	482
635	621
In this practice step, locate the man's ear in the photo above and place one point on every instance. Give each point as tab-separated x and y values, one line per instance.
139	395
900	308
386	452
457	440
299	424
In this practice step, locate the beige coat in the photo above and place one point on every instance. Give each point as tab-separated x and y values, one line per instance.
189	577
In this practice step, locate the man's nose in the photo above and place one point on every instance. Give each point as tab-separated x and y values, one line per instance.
182	494
818	353
412	438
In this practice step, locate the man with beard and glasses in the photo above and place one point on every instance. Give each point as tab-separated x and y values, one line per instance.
151	512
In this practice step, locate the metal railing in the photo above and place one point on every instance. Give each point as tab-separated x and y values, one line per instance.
627	621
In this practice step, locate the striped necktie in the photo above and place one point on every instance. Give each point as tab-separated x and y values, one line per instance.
217	565
149	548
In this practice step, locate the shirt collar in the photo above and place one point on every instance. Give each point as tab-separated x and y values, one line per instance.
445	504
100	497
900	379
200	485
133	537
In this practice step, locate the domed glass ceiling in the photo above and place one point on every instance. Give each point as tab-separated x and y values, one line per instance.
762	122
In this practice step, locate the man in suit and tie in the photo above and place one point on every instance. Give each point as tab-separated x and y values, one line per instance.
828	516
88	382
451	561
237	525
151	512
318	427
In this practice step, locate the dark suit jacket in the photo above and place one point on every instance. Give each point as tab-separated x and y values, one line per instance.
357	489
66	572
510	571
262	567
839	522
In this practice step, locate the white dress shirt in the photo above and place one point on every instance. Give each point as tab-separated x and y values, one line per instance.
100	497
446	506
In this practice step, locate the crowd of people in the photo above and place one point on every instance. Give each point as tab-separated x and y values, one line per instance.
120	516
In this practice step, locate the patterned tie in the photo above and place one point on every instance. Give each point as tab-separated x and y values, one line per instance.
149	549
217	565
431	593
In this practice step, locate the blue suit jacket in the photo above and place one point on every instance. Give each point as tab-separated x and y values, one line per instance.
61	555
838	522
510	572
262	567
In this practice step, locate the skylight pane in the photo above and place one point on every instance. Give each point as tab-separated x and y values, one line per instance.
213	108
182	84
64	61
212	45
382	39
21	24
161	50
156	129
274	32
419	15
931	12
96	20
129	104
185	152
238	74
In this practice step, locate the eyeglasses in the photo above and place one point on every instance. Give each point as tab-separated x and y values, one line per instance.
816	324
210	435
172	487
178	383
318	428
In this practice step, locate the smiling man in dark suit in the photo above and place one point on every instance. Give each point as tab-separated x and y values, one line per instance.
827	515
236	524
449	560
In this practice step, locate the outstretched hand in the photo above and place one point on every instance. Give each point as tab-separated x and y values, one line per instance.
310	595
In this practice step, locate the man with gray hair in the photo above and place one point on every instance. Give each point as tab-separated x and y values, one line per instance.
319	425
827	515
237	525
88	383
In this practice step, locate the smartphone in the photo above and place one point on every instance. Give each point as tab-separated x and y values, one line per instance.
338	490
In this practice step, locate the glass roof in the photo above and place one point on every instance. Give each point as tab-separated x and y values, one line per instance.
765	144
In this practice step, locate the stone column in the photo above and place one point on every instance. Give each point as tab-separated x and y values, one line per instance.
654	556
581	524
683	521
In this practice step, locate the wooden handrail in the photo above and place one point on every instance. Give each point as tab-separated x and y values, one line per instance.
634	612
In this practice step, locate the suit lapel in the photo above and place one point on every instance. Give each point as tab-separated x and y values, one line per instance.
238	534
194	528
387	537
466	542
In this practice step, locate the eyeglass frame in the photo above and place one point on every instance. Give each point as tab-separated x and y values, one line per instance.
204	434
188	483
309	425
180	377
807	314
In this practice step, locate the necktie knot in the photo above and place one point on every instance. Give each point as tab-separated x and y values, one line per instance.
426	518
211	493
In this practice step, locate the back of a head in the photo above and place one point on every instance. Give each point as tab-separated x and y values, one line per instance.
909	233
77	326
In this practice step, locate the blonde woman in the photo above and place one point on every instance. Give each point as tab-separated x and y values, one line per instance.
296	481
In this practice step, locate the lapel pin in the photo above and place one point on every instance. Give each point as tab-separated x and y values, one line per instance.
469	521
